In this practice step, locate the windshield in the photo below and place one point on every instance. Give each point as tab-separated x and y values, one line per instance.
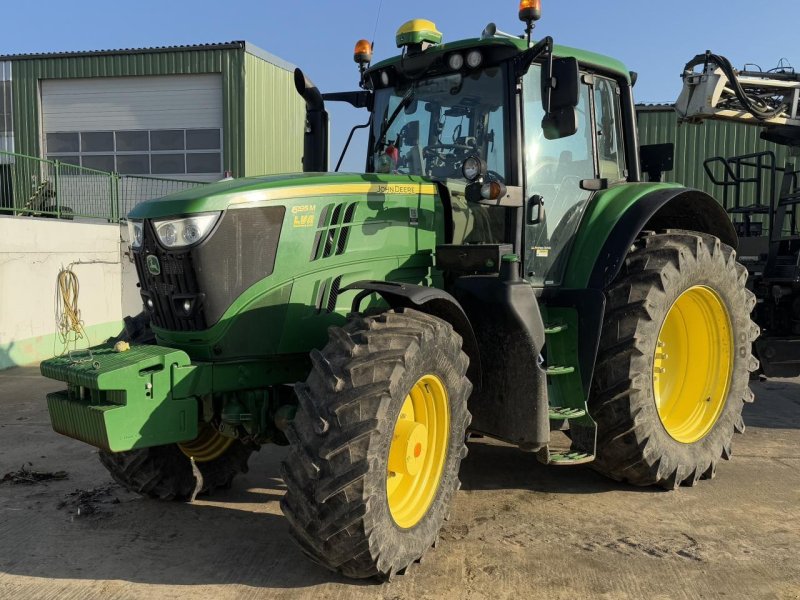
430	126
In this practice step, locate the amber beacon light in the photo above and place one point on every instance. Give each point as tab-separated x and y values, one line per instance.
362	53
530	10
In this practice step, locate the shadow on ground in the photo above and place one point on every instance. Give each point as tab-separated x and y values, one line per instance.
236	536
239	536
780	410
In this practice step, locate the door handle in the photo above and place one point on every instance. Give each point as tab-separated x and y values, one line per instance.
535	210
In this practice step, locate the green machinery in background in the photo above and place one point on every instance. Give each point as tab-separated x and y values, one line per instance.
736	134
501	268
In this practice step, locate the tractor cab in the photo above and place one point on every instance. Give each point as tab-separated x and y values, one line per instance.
500	123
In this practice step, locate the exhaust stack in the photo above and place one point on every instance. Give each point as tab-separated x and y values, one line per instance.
315	140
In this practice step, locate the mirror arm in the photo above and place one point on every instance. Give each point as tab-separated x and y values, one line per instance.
349	139
523	61
357	99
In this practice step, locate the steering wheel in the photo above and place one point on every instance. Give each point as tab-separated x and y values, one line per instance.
444	158
434	148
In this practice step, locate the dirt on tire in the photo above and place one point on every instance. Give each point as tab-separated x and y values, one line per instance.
165	472
632	444
336	469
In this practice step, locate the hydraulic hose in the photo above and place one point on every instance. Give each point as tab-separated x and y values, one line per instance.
755	106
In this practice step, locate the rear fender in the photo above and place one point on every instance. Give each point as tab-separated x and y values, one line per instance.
666	208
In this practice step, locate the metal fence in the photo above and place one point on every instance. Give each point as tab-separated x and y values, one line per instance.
134	189
31	186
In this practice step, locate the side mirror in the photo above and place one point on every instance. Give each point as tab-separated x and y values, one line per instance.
560	84
560	124
656	159
560	96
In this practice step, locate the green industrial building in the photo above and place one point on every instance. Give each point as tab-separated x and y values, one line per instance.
695	143
184	112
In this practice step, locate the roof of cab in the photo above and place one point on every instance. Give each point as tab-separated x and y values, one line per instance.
584	57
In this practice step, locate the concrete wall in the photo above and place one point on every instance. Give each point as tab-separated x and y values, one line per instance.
32	251
131	298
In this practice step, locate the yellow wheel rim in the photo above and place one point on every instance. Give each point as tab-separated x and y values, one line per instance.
692	364
418	451
208	445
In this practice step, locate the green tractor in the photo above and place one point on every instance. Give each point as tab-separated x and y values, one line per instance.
500	269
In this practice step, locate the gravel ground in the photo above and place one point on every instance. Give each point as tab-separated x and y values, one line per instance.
519	529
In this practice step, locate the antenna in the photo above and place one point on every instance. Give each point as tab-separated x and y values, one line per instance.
377	19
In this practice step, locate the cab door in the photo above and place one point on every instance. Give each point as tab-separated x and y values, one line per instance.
554	170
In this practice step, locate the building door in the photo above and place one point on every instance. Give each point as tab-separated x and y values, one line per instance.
162	126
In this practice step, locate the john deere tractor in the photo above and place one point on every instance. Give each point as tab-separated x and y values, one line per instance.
499	269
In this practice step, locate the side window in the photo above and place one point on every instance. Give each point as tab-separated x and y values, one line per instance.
495	151
609	134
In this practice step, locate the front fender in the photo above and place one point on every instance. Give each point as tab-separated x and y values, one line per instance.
432	301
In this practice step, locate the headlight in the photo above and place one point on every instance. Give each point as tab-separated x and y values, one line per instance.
176	233
472	168
135	233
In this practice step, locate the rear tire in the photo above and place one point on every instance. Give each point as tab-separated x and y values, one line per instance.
339	501
681	441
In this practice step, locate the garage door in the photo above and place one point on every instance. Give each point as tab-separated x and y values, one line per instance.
168	126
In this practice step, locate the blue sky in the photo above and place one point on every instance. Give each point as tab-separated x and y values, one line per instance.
654	38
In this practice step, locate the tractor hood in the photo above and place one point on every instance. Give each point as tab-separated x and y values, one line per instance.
222	195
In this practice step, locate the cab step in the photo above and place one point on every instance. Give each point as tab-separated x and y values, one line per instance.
552	328
570	458
558	413
553	371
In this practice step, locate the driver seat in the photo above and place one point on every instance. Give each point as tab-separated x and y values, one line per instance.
415	161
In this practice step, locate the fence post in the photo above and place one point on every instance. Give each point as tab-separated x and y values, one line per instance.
113	181
56	189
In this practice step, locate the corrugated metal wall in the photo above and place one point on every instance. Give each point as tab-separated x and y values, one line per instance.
274	116
228	62
6	104
695	143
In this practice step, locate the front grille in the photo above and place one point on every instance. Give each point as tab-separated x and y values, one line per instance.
177	279
239	252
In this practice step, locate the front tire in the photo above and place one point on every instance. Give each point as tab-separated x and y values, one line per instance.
674	361
377	443
165	472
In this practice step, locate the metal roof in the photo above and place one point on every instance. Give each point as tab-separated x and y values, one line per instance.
657	106
154	49
235	45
